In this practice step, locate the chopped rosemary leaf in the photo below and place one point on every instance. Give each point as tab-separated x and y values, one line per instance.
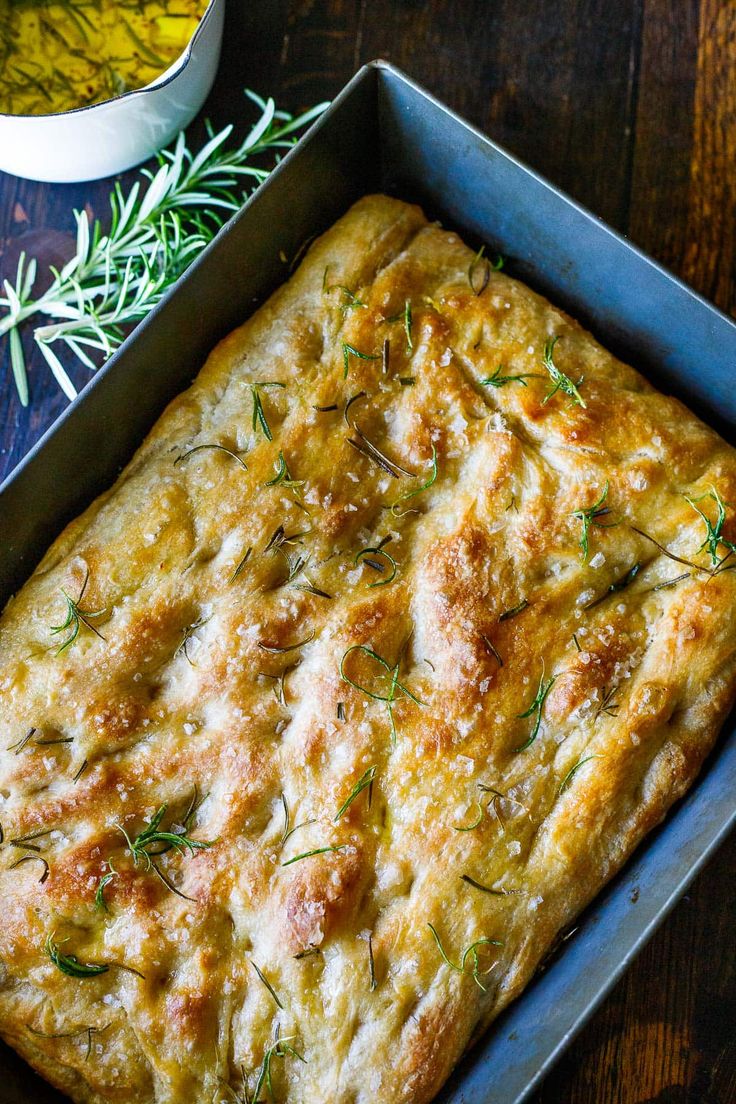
589	516
372	965
405	317
309	588
478	286
671	582
514	611
19	746
535	709
259	414
100	902
492	649
340	712
484	888
615	587
350	300
70	964
218	448
267	984
275	649
88	1031
307	952
26	842
350	350
33	858
287	819
576	643
559	379
476	823
394	685
81	771
349	403
418	490
315	851
75	618
385	356
713	530
368	449
364	782
283	478
471	951
608	704
280	1049
566	781
187	635
378	550
497	380
325	409
242	564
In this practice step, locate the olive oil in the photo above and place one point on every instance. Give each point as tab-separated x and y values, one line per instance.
56	55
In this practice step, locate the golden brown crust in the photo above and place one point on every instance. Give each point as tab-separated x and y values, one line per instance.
237	673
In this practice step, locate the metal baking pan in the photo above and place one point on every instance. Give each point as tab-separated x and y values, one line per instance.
385	133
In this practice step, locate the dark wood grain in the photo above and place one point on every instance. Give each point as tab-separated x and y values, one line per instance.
629	105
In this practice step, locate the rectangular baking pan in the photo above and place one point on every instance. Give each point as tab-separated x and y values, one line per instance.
385	133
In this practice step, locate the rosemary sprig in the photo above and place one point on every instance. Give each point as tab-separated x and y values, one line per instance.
162	841
156	230
713	530
75	618
536	708
559	379
590	515
259	414
469	952
364	782
390	672
608	704
70	964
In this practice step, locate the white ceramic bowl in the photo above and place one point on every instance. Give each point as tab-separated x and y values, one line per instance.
106	138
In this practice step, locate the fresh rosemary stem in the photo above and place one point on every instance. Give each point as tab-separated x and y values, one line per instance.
116	276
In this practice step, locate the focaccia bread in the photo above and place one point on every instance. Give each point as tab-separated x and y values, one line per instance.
402	628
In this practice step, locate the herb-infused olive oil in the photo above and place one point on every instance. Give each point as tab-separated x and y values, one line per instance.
56	55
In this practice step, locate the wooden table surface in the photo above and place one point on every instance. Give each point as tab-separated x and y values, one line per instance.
630	106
